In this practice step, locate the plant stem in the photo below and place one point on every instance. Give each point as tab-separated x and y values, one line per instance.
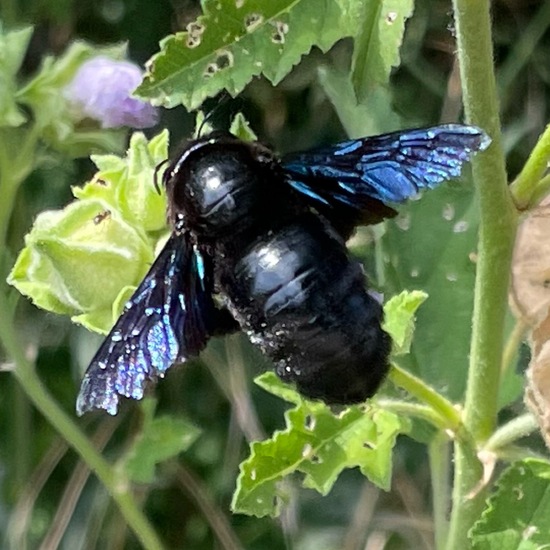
510	432
17	161
424	393
498	218
512	345
525	188
414	410
496	236
439	454
26	375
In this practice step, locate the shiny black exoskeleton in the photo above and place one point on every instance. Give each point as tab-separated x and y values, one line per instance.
267	237
282	270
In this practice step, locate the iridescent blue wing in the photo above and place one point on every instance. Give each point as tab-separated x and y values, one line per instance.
360	174
166	320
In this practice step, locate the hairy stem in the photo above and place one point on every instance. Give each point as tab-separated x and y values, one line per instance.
509	433
427	395
439	451
496	237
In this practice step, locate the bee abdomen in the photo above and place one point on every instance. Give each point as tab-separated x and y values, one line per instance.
302	298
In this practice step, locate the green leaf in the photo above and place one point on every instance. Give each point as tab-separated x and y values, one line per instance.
318	443
271	383
377	47
373	116
161	438
399	313
240	127
517	516
13	45
431	246
234	40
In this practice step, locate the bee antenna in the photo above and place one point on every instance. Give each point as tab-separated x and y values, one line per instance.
156	178
222	100
205	120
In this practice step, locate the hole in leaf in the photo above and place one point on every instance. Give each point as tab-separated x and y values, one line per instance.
310	422
211	70
224	60
252	21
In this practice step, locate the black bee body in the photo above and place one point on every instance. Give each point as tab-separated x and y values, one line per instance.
301	297
282	271
268	238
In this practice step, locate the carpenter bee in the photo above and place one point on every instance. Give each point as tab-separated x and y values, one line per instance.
258	244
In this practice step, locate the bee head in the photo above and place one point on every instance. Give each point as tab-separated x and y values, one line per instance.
219	183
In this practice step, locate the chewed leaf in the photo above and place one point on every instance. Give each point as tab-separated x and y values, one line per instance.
517	514
320	444
233	41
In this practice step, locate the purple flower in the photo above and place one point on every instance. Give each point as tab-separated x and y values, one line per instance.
101	89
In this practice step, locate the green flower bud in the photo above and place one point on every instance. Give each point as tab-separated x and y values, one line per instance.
79	259
128	184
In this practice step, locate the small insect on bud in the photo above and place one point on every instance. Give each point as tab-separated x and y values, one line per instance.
102	90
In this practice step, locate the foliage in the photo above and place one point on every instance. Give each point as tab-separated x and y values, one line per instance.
304	69
516	514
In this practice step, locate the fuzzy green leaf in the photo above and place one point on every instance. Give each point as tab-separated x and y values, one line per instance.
320	444
271	383
241	128
66	246
517	516
234	40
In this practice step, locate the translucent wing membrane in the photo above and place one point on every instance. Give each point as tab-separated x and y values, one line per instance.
165	321
390	168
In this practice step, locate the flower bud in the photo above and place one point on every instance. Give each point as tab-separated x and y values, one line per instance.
128	183
102	90
77	261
